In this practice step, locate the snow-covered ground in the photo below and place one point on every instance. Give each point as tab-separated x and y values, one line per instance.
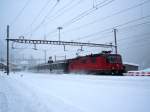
29	92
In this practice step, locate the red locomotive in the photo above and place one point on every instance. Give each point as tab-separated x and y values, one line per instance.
102	63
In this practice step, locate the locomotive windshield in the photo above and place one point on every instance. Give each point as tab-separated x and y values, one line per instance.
114	59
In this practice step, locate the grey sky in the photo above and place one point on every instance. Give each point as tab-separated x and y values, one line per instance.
133	37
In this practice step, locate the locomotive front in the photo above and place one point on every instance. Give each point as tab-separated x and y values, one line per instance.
114	64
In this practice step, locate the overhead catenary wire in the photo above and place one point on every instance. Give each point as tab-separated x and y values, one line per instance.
40	12
142	37
132	21
136	44
45	17
135	25
83	14
68	7
107	17
42	9
110	29
20	12
61	12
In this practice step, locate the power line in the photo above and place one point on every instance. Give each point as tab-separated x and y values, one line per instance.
62	12
85	13
42	22
95	39
21	11
45	17
136	25
64	9
19	14
37	16
93	34
43	8
80	16
138	44
106	17
141	37
132	21
117	26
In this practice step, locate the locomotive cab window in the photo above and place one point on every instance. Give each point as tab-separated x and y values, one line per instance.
113	59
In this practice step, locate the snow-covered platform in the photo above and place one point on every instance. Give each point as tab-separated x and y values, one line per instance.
29	92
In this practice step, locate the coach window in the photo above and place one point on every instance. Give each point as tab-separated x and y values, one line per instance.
61	65
55	66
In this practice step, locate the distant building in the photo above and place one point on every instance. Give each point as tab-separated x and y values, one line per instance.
12	67
131	67
2	67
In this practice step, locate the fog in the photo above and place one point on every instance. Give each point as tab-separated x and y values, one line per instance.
39	19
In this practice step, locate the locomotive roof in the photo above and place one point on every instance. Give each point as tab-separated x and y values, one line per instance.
94	55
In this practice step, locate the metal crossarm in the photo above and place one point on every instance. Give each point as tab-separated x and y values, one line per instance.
28	41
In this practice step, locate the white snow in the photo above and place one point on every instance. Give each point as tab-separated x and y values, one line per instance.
29	92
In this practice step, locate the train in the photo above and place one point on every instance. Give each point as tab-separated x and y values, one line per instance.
104	63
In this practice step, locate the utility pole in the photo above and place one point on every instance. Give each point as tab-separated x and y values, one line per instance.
7	49
115	30
59	28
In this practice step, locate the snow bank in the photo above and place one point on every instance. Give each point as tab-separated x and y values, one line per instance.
80	93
